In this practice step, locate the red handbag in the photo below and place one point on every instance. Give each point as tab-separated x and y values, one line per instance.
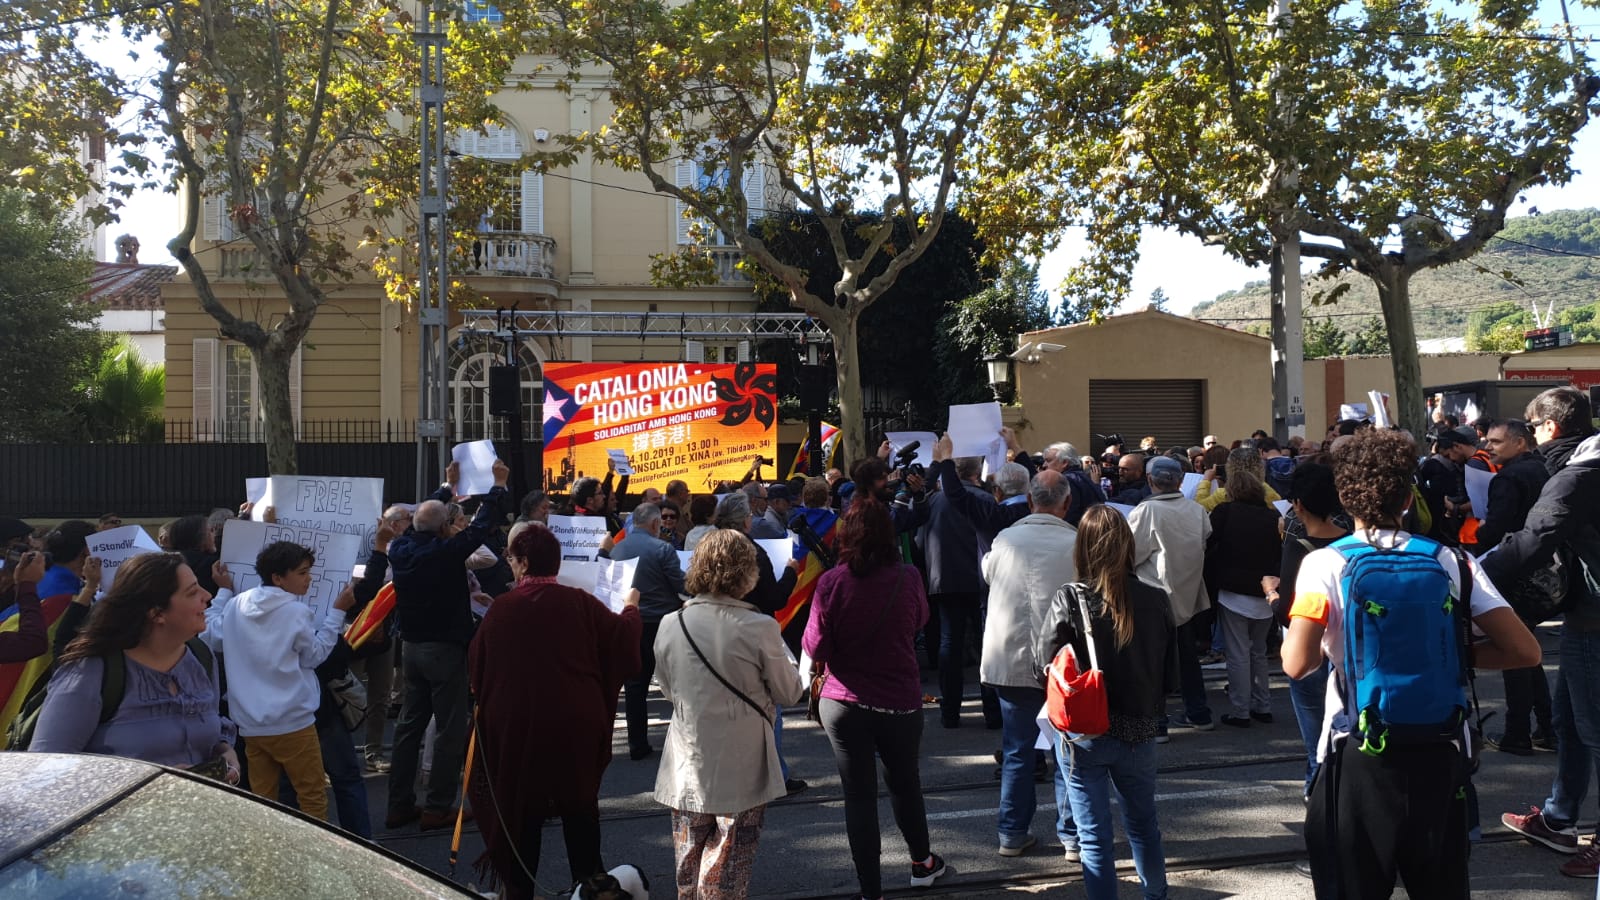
1075	698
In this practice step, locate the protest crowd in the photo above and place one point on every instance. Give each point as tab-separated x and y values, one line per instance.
1380	569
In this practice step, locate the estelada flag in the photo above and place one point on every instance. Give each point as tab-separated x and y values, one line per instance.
830	452
371	618
826	526
17	680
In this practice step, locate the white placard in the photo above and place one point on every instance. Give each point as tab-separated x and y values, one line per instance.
580	536
780	551
1282	506
475	461
337	503
619	461
1191	484
926	439
243	541
1348	411
975	429
1380	408
1478	490
1123	508
115	547
608	580
256	491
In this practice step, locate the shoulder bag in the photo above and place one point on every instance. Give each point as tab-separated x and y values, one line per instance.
1075	698
819	671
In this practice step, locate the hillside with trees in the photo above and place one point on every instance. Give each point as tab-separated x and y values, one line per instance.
1550	258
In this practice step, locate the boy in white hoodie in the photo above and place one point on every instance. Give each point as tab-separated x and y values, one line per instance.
270	647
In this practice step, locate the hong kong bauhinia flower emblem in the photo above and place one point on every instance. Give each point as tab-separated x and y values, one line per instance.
748	394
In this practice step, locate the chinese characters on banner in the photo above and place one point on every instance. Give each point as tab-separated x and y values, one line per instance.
701	423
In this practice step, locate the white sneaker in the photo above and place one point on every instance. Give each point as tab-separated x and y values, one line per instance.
1020	848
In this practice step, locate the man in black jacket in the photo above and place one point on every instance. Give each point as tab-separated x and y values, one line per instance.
434	610
1512	493
1565	518
1439	478
956	589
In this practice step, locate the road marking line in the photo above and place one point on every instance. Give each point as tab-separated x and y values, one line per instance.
1212	793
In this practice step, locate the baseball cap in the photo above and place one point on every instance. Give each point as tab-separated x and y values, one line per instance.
777	491
1163	465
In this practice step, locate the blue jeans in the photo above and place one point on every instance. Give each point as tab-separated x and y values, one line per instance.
1097	766
344	771
1309	695
1019	731
1576	717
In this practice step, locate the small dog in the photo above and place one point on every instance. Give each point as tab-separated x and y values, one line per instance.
625	882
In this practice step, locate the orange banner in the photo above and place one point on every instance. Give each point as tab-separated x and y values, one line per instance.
702	423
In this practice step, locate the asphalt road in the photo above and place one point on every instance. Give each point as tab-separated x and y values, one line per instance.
1229	801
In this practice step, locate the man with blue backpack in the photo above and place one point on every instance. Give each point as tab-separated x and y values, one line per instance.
1396	615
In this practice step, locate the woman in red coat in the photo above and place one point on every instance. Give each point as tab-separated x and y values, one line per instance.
545	667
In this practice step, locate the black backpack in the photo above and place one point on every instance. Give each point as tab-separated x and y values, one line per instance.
113	685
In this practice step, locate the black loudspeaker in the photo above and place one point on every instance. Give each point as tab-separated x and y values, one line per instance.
505	388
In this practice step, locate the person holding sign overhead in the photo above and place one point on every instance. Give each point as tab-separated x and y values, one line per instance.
435	615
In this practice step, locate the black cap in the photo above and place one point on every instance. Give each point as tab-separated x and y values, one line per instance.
12	529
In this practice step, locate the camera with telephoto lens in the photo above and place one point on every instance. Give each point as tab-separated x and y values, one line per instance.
15	552
905	464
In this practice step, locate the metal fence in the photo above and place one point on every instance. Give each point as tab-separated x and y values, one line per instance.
191	471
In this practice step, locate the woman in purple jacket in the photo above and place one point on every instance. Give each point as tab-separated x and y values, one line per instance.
865	616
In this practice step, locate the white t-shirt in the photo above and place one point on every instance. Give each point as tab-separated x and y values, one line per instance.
1317	597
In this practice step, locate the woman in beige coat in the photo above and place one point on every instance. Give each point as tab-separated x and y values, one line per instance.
720	767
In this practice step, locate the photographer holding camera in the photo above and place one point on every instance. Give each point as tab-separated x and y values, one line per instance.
19	582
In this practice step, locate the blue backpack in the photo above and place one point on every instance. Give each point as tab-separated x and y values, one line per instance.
1406	673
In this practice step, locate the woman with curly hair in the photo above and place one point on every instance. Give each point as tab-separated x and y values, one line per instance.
1400	808
722	664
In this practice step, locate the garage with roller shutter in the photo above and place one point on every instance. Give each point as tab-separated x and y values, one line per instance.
1146	372
1168	408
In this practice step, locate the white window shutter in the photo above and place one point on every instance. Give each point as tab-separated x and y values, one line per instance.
294	385
204	390
755	190
532	203
211	218
684	179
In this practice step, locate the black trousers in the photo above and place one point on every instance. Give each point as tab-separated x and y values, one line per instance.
1527	694
1401	813
582	836
859	738
636	691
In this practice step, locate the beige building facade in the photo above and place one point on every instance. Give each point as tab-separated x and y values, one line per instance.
1179	379
579	239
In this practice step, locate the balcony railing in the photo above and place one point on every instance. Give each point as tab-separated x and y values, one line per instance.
241	262
726	260
513	253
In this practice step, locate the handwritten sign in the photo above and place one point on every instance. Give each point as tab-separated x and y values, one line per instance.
337	503
115	547
580	536
335	553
